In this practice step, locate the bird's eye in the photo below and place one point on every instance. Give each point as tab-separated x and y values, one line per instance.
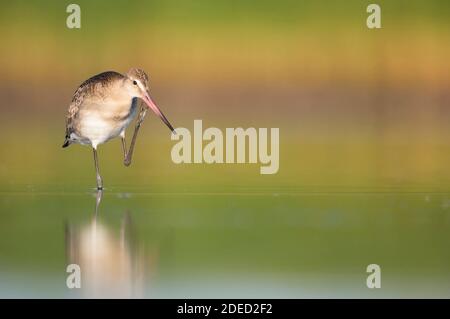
135	82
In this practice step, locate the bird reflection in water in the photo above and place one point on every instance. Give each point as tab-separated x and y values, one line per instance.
111	265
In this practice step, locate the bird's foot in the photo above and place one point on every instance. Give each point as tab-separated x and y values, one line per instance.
99	184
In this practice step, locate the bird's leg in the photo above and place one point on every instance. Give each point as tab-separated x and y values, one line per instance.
99	178
129	154
124	145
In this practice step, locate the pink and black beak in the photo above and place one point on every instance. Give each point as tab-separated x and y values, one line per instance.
151	105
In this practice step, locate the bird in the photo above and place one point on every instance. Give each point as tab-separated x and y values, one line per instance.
103	107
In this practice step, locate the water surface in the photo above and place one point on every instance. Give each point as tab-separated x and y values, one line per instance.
257	243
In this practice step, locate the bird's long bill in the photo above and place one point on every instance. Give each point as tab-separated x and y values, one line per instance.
147	99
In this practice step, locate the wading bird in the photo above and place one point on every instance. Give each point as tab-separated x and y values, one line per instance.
103	107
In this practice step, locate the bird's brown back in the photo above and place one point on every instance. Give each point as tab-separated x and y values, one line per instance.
91	87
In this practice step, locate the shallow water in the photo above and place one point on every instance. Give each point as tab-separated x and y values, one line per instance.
257	243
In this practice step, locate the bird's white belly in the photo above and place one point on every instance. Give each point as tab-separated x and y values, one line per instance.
97	129
97	122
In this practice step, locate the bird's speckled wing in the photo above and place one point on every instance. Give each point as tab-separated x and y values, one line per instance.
87	88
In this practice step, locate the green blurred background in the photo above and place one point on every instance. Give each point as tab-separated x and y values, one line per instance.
364	142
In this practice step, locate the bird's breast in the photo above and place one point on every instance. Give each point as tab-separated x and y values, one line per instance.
100	122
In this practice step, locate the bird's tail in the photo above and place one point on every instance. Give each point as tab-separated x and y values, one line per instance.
66	142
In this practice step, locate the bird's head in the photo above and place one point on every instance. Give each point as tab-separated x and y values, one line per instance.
137	85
